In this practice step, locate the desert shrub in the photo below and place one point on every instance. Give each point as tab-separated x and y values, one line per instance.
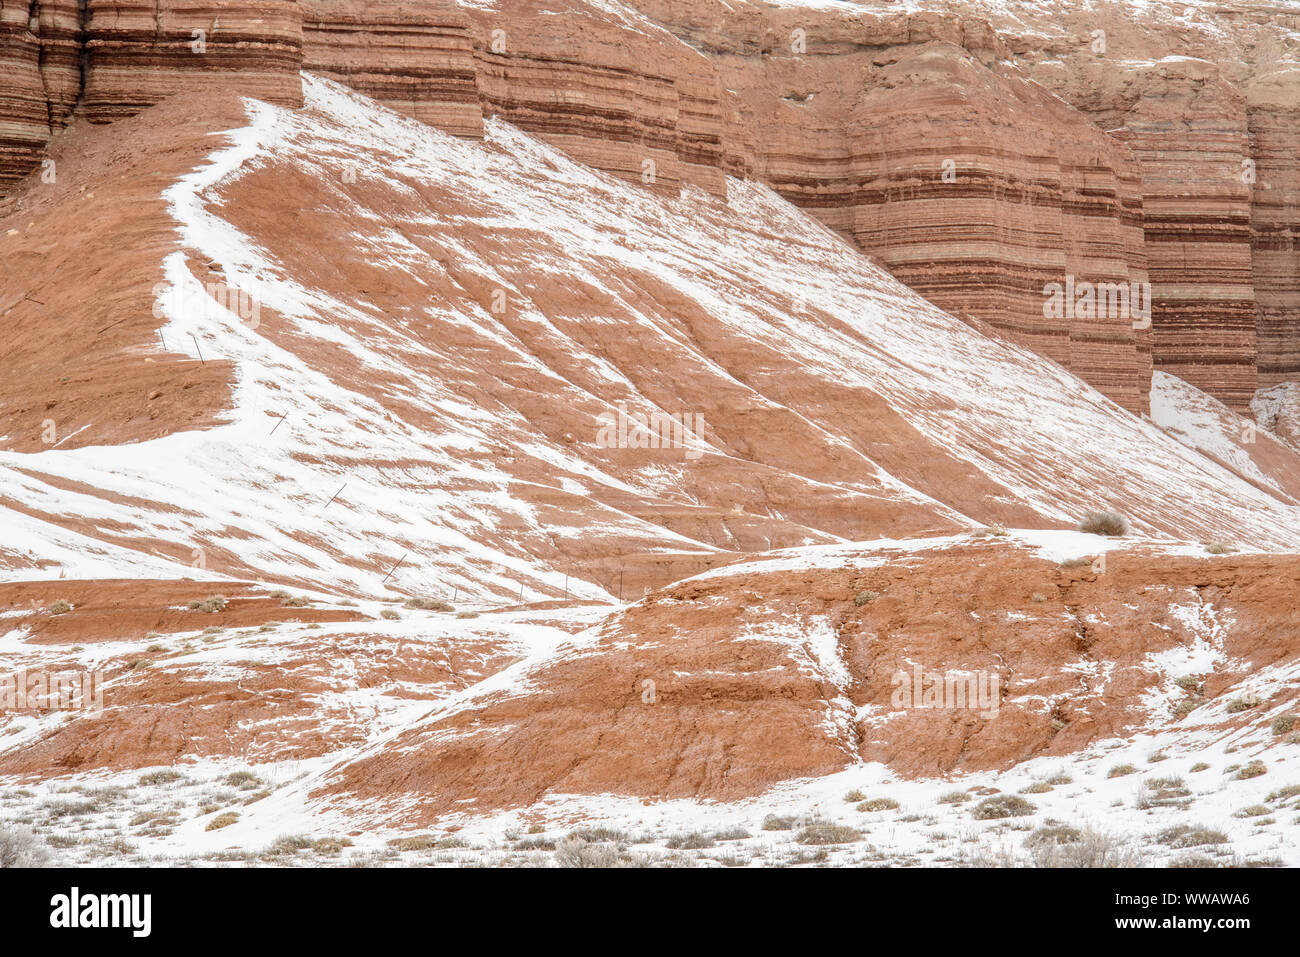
1190	835
1243	703
1189	683
1255	810
1068	847
56	810
1218	548
209	606
1155	757
1104	523
466	614
1038	787
222	820
995	531
595	835
389	614
1038	597
576	853
879	804
954	797
1290	791
731	834
854	796
155	778
20	847
1060	777
1199	766
689	842
418	842
1053	834
828	834
428	604
775	822
536	829
1283	723
297	601
865	596
1253	769
1000	806
59	607
1119	770
244	780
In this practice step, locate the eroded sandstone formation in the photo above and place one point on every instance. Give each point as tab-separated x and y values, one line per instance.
415	59
111	58
985	155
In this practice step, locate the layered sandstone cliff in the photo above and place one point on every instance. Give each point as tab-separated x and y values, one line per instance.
989	156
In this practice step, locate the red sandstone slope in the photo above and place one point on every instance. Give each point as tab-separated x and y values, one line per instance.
721	686
436	406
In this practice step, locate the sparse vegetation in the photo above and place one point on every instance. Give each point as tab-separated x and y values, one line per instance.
1119	770
775	822
954	797
1190	835
854	796
244	780
389	614
428	604
1000	806
575	853
689	842
1243	703
209	606
1064	846
59	607
156	778
1283	723
1255	810
1253	769
20	847
1199	766
879	804
222	820
1104	523
822	833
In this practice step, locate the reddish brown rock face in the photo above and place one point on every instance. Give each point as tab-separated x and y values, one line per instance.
417	60
722	686
918	134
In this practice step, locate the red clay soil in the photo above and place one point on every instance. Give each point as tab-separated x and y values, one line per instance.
735	712
80	257
128	609
268	697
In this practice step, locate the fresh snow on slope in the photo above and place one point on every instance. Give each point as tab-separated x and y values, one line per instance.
410	496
